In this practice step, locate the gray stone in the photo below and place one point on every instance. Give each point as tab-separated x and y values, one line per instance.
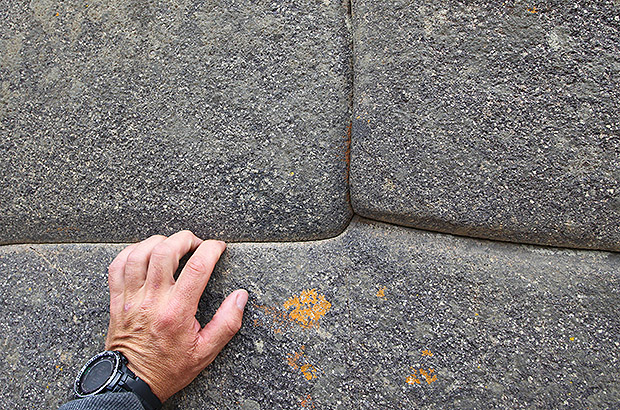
501	325
491	119
123	119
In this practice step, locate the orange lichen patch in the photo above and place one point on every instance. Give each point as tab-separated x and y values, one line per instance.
381	292
293	359
309	371
428	375
532	9
307	402
412	379
308	308
276	318
427	353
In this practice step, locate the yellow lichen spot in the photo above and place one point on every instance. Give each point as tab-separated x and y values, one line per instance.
29	289
308	308
427	352
428	375
572	339
475	314
411	379
309	371
292	173
293	359
47	387
532	10
381	292
307	402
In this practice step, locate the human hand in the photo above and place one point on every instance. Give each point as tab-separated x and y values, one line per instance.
152	316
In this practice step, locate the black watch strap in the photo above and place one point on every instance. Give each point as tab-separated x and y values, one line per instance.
139	387
143	391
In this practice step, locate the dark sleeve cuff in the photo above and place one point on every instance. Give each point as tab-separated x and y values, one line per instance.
106	401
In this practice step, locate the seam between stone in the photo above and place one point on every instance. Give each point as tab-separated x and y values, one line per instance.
480	238
343	232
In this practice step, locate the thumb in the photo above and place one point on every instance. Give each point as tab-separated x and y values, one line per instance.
224	325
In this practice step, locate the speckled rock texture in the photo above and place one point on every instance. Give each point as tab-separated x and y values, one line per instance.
120	119
406	319
494	119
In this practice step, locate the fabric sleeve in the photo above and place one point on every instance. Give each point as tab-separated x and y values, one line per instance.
107	401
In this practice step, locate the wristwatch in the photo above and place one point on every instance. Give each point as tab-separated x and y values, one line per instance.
108	372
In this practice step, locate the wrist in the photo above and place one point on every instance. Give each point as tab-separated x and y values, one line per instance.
108	372
150	381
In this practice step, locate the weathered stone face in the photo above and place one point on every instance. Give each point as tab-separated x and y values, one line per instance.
123	119
492	119
400	319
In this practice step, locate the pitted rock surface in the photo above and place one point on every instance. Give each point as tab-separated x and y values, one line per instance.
495	119
400	319
119	120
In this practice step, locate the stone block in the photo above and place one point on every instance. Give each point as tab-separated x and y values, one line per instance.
121	119
491	119
401	319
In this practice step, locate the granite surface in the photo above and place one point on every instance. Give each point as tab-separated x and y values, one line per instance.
120	119
490	119
405	319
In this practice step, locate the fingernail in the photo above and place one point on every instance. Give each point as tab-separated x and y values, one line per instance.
242	299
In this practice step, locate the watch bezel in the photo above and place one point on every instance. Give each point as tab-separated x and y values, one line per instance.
77	385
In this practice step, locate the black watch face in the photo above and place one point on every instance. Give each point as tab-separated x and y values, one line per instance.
96	375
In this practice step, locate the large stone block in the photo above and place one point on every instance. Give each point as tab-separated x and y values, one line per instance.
490	119
119	119
400	319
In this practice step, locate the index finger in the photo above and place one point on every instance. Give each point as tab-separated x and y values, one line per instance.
195	275
116	271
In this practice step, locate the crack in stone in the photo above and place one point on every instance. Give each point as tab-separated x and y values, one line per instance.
51	265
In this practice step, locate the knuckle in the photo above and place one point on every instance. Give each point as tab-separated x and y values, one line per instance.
162	251
161	237
187	232
135	258
186	236
165	321
196	265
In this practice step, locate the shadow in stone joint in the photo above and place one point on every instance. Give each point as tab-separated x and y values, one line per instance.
480	238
